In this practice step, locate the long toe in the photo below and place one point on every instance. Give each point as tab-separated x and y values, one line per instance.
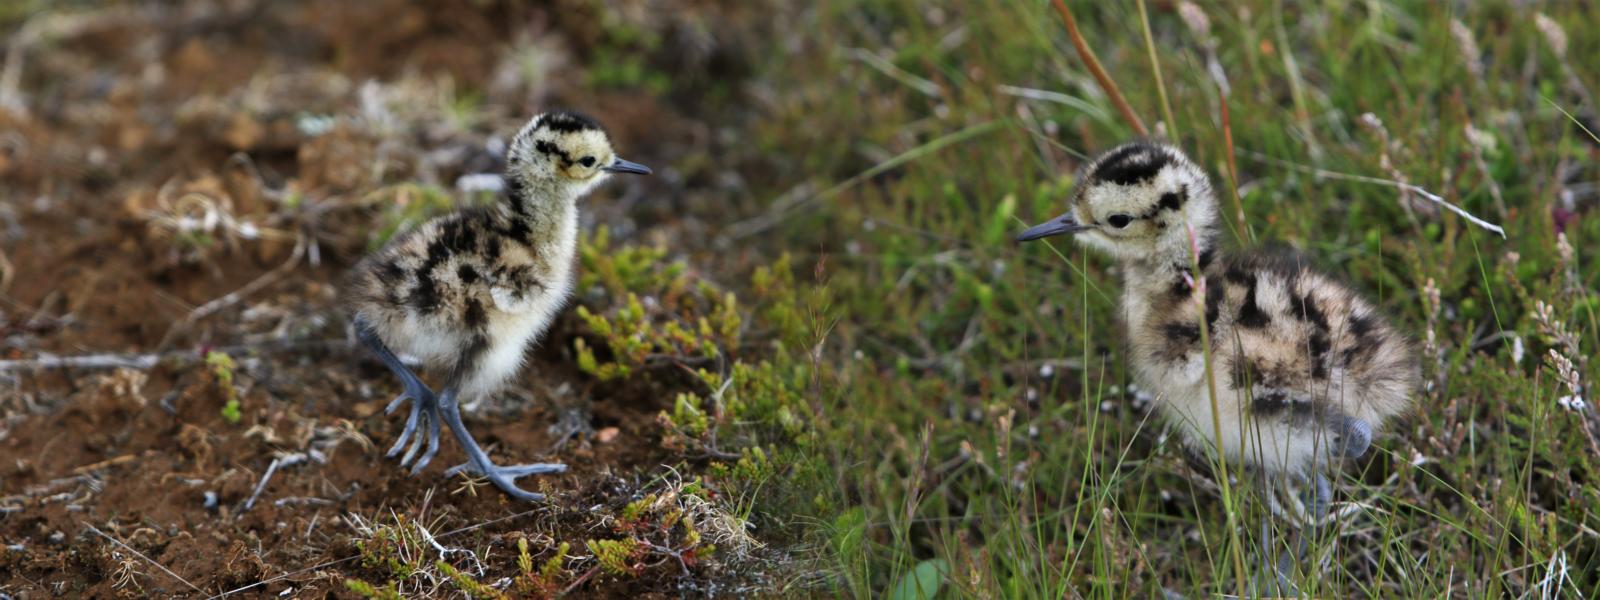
505	477
410	428
512	471
1354	437
396	402
433	447
531	469
417	442
505	484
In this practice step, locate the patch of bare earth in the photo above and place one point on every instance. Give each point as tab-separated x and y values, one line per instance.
195	178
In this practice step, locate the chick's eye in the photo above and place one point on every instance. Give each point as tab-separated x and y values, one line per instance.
587	161
1119	221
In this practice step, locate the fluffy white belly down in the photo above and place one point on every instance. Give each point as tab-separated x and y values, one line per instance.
1274	445
509	337
500	352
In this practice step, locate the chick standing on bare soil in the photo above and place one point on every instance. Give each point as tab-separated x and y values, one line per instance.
467	292
1305	368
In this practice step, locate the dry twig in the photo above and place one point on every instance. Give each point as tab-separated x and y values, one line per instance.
141	555
147	361
1099	72
232	298
1413	188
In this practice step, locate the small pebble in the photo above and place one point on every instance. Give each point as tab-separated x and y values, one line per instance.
606	435
211	500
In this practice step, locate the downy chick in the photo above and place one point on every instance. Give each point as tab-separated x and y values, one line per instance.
1305	368
466	293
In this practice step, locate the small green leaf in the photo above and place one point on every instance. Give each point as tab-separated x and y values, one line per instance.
923	582
849	530
1000	224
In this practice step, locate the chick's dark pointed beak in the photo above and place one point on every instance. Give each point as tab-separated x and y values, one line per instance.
1057	226
626	166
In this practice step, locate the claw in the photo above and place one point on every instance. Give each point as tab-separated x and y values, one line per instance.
511	489
416	444
405	434
433	447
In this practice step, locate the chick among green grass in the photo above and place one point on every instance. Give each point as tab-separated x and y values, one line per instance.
984	438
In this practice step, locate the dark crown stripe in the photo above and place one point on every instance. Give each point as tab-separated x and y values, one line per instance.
1131	164
567	122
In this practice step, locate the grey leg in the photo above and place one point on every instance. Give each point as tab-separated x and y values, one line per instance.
1273	559
1318	498
1279	582
478	462
1351	438
424	406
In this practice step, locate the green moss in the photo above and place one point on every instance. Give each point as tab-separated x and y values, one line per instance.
222	367
617	557
407	205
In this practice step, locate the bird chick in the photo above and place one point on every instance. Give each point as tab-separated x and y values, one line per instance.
1306	370
467	292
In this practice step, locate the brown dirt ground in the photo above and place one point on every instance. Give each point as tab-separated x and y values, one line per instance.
122	102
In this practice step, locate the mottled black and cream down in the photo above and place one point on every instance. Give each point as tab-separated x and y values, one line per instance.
468	292
1306	369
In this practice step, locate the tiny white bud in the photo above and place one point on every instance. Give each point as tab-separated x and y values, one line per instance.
480	182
